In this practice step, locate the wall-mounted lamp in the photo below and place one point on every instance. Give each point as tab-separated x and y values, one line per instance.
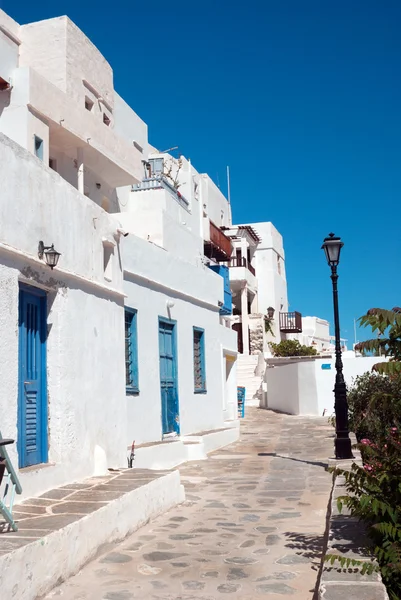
270	312
170	303
51	255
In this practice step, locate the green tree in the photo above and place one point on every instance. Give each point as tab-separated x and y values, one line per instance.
387	323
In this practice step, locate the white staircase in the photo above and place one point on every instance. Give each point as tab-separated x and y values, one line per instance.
247	366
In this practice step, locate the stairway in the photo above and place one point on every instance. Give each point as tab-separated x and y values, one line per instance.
246	377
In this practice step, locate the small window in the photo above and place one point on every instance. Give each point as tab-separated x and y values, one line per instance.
131	352
88	103
38	143
199	361
53	164
278	265
106	119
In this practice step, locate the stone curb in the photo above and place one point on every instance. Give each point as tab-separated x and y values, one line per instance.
347	537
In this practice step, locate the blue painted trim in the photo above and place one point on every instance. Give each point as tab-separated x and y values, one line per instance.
133	390
25	289
202	389
173	323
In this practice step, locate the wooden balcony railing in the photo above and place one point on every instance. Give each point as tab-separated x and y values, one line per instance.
291	322
220	240
241	262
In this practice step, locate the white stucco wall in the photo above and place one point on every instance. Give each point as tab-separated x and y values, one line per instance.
129	126
8	51
214	203
85	344
305	386
152	278
59	51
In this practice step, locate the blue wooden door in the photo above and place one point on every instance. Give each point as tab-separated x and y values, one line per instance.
32	401
168	377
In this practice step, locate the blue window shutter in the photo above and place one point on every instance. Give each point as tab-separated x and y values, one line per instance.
222	270
199	361
131	352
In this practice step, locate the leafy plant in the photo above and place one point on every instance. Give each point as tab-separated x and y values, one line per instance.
374	496
384	322
292	348
269	325
374	405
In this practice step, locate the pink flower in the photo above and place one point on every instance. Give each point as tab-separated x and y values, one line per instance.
366	442
393	430
368	468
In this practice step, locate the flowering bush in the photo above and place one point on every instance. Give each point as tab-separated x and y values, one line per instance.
374	495
374	405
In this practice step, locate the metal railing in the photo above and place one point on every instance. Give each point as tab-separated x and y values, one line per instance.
160	182
291	322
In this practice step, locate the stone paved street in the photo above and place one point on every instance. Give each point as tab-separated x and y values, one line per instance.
252	525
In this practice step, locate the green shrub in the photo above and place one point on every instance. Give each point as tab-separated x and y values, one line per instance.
374	496
292	348
374	405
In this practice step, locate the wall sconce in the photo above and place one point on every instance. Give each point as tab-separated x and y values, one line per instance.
270	312
51	255
170	303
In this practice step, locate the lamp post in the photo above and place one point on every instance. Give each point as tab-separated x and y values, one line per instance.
332	247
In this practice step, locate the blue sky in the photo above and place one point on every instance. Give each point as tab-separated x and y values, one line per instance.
301	99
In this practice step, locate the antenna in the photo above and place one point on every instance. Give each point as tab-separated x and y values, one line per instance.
218	181
169	150
228	185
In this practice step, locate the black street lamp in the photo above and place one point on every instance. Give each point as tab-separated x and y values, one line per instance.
332	246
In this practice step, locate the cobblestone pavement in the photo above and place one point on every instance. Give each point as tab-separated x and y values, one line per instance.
252	525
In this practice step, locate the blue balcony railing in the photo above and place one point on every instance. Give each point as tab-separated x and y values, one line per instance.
222	270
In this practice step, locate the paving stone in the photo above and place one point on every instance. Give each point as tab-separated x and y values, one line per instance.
228	588
237	573
193	585
272	540
116	557
276	588
247	544
292	559
241	560
159	555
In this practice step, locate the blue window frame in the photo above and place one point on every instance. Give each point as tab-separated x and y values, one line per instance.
38	147
199	361
131	352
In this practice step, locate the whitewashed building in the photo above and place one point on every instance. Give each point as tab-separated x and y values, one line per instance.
78	388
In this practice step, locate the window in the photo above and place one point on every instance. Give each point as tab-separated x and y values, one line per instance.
38	145
199	361
278	265
131	352
106	119
88	103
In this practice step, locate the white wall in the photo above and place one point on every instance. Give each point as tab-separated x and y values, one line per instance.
304	386
8	53
214	203
85	344
151	278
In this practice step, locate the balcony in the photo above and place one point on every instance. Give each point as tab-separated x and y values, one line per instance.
290	322
159	182
218	246
242	262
